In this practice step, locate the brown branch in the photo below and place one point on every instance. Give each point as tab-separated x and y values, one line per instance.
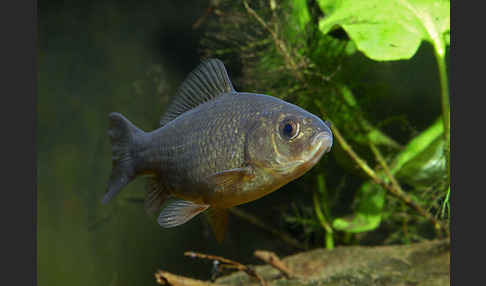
167	278
235	264
361	163
257	222
229	264
273	260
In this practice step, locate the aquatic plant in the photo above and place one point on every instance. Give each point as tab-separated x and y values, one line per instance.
318	55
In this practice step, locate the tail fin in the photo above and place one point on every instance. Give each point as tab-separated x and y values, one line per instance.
122	135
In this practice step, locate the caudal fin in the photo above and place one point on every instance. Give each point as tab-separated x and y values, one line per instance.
123	135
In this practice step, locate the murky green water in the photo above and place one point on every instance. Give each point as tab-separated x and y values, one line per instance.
96	57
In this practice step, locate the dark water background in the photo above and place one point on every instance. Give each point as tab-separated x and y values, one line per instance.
91	56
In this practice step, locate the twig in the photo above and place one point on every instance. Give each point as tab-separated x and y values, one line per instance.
167	278
257	222
361	163
229	264
223	260
273	260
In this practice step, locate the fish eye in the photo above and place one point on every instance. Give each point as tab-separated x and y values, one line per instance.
289	129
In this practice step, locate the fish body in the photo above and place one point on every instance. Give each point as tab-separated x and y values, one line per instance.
216	148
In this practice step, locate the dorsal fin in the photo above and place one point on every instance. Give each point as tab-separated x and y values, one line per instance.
208	81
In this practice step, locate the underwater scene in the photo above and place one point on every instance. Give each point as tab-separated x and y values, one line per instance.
263	142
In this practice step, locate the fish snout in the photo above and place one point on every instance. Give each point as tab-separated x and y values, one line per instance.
324	140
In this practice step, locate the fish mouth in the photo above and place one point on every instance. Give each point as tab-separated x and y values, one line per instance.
321	144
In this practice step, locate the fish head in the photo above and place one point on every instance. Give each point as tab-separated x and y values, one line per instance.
288	141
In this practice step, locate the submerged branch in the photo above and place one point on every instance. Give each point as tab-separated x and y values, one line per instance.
228	264
361	163
167	278
273	260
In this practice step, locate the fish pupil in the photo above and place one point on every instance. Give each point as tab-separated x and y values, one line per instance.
288	129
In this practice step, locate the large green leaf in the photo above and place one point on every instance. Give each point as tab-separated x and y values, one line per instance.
389	29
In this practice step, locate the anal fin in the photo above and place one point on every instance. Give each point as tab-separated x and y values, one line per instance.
218	219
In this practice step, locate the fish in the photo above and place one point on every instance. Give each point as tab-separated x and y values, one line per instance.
216	148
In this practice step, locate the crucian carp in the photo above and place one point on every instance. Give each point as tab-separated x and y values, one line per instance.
216	148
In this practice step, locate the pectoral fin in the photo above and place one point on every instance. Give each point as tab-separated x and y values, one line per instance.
218	219
231	179
177	212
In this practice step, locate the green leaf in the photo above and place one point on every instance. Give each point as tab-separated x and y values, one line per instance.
387	30
417	145
368	213
427	167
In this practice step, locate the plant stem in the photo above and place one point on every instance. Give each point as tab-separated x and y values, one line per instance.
329	241
444	85
446	114
445	204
